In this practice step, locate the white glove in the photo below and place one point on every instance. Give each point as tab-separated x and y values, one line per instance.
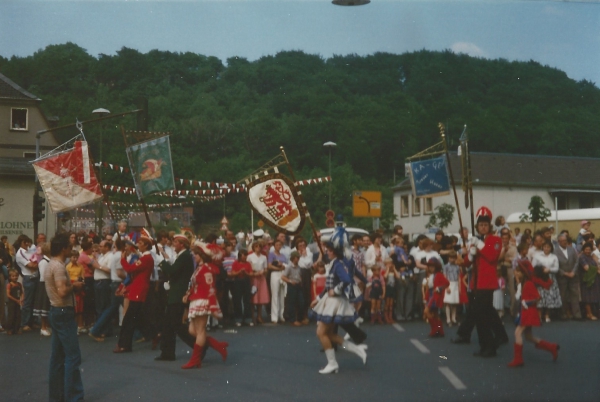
473	251
479	244
524	304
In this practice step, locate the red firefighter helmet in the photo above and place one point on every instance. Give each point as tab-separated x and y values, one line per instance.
484	215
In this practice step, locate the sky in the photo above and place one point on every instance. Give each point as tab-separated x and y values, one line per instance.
561	34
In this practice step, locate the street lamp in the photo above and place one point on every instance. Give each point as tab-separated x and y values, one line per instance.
350	2
101	112
330	145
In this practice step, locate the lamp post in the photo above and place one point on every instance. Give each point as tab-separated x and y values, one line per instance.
330	145
101	112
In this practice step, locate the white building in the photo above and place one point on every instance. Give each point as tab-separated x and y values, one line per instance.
505	183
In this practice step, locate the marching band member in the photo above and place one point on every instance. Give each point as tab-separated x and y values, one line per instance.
202	296
333	307
484	252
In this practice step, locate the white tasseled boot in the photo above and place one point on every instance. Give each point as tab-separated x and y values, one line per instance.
359	351
332	365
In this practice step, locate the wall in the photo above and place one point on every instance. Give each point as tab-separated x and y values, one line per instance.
500	200
16	209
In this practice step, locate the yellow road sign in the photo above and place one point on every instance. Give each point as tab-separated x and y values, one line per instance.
366	204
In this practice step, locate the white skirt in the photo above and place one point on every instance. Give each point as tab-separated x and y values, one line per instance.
200	307
333	310
453	297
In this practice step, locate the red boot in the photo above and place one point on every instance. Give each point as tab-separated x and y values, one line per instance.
518	359
195	360
550	347
220	347
433	326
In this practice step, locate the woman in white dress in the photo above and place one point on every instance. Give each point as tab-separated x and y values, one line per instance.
549	298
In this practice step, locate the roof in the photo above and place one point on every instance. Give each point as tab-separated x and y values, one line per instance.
10	90
563	215
16	167
514	170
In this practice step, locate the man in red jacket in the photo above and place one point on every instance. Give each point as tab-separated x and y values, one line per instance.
484	251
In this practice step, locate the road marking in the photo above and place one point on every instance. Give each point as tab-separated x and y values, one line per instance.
422	348
450	376
398	327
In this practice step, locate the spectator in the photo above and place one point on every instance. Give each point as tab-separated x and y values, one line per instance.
568	279
15	297
306	264
507	255
28	266
41	304
549	298
65	376
590	282
277	262
294	303
260	290
241	271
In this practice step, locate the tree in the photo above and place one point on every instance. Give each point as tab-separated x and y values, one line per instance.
441	217
537	211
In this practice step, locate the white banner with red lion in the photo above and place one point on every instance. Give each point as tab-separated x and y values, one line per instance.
274	197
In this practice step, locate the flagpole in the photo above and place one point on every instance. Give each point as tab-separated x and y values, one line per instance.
312	225
443	135
148	221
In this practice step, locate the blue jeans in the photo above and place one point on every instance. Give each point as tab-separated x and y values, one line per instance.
103	323
65	376
29	284
102	295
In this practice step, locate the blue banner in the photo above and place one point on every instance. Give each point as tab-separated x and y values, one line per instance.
429	178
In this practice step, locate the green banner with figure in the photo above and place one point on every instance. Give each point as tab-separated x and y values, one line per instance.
151	166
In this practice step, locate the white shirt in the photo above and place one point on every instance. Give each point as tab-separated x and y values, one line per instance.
258	262
158	258
371	256
116	266
42	267
105	261
564	251
305	261
170	252
427	255
549	261
285	250
533	252
23	258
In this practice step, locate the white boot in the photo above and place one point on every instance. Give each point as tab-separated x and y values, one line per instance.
359	351
332	365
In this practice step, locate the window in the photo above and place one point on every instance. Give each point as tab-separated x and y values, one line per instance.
18	119
404	205
586	201
416	205
428	206
563	202
29	155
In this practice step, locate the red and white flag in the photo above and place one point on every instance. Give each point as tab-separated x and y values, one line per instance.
68	178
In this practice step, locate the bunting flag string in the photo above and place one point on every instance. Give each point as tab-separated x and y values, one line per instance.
218	186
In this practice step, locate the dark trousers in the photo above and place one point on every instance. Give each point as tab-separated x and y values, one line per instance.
29	284
224	302
242	309
570	295
134	317
13	319
89	301
405	298
65	376
489	326
294	302
173	326
306	276
152	315
466	327
102	295
103	324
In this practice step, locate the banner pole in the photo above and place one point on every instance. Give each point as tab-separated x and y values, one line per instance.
312	225
452	180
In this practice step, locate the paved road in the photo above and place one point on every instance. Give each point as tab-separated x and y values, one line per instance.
274	363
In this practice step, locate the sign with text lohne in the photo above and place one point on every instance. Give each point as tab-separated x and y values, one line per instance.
429	178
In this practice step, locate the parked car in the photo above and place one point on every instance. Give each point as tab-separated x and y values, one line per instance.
327	232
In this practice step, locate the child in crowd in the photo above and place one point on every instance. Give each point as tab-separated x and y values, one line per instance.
498	297
529	316
436	298
294	301
41	303
376	293
451	297
15	296
390	289
241	271
318	280
75	271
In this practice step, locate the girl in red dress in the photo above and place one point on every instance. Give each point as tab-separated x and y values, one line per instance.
202	296
436	298
529	316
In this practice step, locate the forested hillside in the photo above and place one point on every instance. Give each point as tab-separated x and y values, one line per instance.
228	118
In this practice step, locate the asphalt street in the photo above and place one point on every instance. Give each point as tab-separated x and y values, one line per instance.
274	363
